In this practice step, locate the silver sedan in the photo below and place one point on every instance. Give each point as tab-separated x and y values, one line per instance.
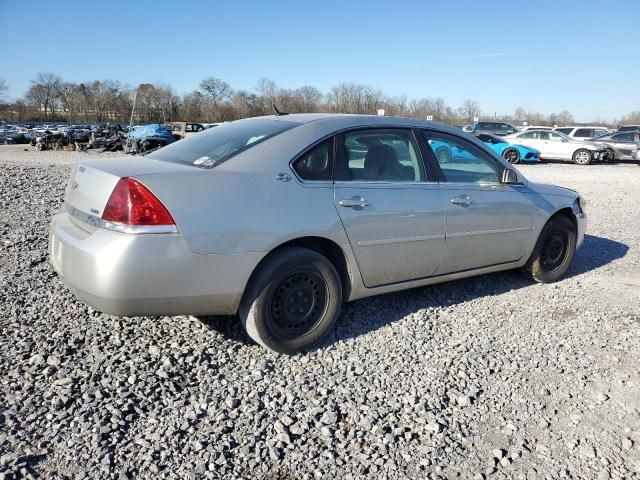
281	219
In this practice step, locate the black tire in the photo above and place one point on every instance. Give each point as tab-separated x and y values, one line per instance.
582	156
511	155
443	155
554	250
612	155
302	279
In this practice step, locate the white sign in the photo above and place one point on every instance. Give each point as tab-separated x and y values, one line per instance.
381	111
475	119
525	123
429	118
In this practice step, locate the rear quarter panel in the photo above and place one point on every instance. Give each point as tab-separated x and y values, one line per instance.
239	206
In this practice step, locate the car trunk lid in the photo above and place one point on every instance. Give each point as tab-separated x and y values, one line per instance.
92	183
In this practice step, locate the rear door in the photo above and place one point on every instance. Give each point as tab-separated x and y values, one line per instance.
488	223
534	139
623	144
391	209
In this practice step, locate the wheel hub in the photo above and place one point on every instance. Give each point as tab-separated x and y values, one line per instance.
554	250
298	304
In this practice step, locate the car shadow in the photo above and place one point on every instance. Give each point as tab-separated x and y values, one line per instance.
363	316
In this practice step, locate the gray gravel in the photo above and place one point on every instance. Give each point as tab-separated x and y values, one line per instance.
488	377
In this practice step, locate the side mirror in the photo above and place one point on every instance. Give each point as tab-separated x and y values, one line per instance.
509	176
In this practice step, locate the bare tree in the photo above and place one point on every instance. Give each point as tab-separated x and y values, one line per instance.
4	88
218	90
45	91
469	110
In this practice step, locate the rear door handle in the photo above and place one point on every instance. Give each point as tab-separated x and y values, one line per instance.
463	201
354	202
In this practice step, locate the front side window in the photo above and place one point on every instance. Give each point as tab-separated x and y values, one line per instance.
461	161
623	137
317	164
216	145
598	132
378	155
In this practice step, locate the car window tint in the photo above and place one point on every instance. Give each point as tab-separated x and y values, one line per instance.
217	145
462	161
316	164
379	155
623	137
583	132
566	131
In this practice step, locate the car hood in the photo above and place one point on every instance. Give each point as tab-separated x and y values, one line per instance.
546	189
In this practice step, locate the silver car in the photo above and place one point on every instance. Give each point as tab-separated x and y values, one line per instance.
281	219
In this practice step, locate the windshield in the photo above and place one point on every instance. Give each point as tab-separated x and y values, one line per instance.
214	146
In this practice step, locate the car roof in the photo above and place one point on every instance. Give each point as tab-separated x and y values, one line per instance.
340	121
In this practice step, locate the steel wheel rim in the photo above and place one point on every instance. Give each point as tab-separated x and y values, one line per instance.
511	154
582	157
298	304
554	250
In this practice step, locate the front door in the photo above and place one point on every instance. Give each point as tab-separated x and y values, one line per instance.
488	223
393	215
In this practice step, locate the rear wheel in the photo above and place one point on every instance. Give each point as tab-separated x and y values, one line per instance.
511	155
554	250
582	156
292	300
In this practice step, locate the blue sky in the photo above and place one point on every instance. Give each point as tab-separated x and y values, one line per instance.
542	55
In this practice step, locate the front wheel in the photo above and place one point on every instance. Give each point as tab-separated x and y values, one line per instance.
511	155
554	250
292	300
582	156
611	155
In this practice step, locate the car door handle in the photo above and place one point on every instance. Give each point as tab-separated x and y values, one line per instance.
462	201
353	202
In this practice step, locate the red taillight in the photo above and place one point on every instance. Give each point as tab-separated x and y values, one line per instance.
131	203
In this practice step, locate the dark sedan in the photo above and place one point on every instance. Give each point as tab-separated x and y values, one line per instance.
620	144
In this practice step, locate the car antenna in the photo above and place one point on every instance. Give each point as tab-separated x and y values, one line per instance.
278	112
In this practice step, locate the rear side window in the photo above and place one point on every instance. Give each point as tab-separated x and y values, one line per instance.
378	155
583	132
215	145
598	132
566	131
317	164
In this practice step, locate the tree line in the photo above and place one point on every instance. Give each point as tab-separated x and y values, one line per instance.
51	98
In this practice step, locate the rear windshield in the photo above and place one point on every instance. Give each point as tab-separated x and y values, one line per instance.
212	147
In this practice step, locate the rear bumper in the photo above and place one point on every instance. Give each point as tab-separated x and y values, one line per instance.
131	275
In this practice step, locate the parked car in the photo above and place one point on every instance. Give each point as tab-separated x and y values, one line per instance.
184	129
557	146
628	128
495	128
583	133
534	127
512	152
282	218
620	144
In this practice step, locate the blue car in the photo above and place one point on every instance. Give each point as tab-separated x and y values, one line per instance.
509	151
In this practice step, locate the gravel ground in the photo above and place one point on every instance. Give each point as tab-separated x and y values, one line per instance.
490	377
